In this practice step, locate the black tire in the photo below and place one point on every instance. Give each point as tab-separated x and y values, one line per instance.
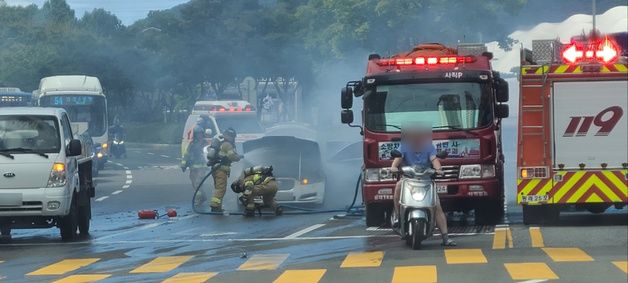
418	234
597	208
69	223
489	213
375	215
5	231
84	218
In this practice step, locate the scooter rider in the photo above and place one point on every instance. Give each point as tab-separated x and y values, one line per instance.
194	159
257	181
226	155
417	150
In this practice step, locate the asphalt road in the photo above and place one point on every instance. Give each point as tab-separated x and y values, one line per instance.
320	247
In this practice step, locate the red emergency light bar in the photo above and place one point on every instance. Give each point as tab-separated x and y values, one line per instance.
429	60
247	108
605	51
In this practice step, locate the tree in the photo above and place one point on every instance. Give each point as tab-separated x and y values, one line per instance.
58	12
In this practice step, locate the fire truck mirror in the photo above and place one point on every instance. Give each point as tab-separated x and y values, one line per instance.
501	90
346	97
346	116
501	111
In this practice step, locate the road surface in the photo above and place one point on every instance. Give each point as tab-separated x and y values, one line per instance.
318	247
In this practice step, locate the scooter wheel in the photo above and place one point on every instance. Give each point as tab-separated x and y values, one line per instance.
416	233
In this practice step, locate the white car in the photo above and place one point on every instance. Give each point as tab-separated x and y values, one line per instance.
44	180
297	167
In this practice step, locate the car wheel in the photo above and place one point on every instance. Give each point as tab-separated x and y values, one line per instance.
69	223
84	217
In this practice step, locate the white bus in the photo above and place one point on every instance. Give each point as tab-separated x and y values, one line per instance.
86	104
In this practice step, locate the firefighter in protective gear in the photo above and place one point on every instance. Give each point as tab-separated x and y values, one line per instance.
194	159
257	181
226	155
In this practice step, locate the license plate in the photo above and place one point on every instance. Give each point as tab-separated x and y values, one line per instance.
535	198
441	189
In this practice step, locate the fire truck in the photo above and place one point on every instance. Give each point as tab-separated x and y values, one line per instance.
572	149
457	92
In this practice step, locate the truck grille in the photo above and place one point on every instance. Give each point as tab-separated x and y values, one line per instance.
26	206
450	173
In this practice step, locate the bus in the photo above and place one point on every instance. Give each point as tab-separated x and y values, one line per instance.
86	104
14	97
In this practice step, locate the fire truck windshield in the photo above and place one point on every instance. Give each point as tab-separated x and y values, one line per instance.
461	105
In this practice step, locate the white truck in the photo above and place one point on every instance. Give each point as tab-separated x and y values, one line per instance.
45	179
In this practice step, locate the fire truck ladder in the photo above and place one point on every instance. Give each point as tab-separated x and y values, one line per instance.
534	114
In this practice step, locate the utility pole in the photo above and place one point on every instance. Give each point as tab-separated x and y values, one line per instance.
594	12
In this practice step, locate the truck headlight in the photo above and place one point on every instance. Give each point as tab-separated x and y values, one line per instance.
372	175
475	171
57	176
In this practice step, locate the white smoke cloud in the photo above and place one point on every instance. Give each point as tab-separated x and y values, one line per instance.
613	20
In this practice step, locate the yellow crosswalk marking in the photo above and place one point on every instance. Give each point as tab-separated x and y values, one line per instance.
530	271
536	238
162	264
264	262
567	254
83	278
461	256
301	276
363	259
623	265
64	266
415	274
190	277
502	238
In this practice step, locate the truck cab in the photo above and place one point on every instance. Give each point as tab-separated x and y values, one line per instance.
457	93
45	180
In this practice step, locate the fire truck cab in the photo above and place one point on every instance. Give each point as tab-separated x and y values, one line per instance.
457	92
572	131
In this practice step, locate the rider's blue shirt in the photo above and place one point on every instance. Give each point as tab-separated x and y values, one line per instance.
422	158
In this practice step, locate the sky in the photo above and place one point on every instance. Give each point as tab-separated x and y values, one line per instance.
128	11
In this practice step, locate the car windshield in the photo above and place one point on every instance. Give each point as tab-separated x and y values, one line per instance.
244	125
449	105
22	133
81	108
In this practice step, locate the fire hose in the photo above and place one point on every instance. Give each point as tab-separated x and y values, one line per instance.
351	211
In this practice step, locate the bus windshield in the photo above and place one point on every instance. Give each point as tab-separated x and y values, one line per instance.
463	105
90	109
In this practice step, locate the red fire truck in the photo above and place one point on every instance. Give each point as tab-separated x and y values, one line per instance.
573	131
456	91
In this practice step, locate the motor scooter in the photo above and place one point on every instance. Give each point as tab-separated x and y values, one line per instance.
417	205
118	148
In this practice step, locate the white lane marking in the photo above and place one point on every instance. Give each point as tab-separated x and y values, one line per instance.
116	192
128	172
125	187
304	231
165	156
533	281
150	153
102	198
129	181
129	176
126	168
218	234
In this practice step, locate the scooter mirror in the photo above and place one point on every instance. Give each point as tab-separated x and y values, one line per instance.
396	154
442	154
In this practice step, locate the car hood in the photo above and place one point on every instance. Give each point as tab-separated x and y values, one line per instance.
26	171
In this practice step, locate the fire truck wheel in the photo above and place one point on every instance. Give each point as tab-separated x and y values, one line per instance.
375	215
489	213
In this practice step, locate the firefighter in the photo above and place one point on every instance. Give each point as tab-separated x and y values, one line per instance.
257	181
194	159
221	170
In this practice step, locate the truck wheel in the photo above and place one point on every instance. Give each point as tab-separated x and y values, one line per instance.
69	223
84	217
489	213
375	215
